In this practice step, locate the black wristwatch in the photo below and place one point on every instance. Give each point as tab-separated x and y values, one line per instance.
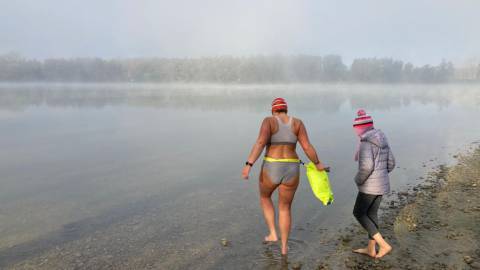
249	164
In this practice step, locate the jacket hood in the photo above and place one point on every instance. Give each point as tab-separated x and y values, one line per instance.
376	137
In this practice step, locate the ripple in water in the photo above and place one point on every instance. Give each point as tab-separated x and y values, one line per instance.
270	254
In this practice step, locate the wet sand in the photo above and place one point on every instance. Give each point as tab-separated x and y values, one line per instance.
434	225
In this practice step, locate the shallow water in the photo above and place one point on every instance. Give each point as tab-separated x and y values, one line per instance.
138	176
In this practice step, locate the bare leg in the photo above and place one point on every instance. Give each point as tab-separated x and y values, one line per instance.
384	249
285	198
266	189
369	250
269	214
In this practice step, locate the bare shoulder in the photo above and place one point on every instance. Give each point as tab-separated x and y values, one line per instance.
268	119
268	122
297	120
297	123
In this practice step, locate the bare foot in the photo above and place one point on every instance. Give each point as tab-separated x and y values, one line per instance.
383	251
270	238
365	251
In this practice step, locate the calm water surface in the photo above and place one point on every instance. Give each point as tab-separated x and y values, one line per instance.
148	176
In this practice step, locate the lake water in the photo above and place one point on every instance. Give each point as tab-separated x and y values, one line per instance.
148	176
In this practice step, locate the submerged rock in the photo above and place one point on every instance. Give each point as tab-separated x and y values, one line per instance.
224	242
468	259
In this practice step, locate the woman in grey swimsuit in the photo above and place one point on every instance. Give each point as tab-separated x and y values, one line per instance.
279	134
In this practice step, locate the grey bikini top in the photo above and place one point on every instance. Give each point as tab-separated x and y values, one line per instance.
284	134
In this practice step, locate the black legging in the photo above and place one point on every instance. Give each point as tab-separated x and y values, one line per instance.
365	210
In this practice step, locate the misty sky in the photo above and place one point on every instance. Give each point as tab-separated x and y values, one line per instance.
413	30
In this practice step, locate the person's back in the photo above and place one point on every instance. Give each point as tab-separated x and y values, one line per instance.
284	131
376	162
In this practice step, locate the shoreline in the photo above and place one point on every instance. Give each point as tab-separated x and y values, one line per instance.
433	225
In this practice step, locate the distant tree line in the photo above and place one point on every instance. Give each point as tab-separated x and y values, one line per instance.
225	69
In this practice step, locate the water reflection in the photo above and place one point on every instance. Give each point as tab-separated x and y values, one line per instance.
326	97
120	177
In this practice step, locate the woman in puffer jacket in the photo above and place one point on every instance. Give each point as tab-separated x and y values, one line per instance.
375	162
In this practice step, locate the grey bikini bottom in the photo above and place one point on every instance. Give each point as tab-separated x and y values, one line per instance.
281	172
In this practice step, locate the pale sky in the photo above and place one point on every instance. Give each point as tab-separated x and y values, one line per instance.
419	31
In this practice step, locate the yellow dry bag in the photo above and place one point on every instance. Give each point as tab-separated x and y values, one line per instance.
319	183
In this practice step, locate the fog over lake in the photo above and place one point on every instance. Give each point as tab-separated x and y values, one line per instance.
133	175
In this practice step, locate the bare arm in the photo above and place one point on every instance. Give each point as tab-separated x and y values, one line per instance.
308	147
257	149
262	140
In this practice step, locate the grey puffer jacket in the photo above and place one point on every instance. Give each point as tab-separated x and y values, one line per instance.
375	162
